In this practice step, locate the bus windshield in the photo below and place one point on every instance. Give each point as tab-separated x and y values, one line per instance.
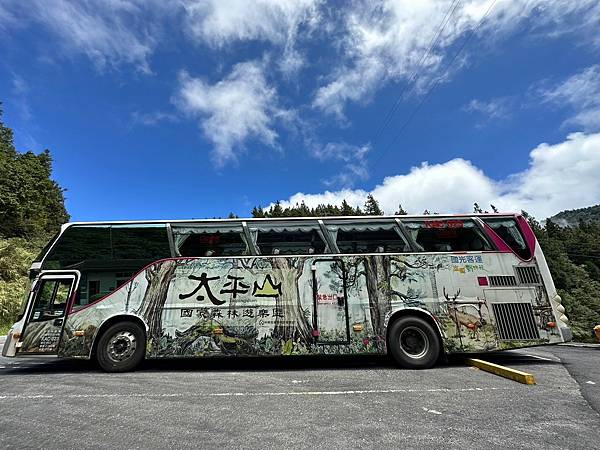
43	252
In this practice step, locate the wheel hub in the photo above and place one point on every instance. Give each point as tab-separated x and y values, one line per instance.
121	346
414	342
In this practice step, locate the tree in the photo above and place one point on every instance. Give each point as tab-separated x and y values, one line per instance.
346	209
31	203
321	210
401	211
276	210
15	258
371	207
258	212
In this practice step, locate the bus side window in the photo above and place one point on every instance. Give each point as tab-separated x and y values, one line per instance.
368	238
147	243
127	246
209	241
217	244
300	240
447	235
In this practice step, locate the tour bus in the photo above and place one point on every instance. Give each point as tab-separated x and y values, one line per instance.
414	287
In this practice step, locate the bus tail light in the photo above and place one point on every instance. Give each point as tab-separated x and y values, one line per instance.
483	281
551	324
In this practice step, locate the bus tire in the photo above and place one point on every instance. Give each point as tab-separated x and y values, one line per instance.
121	347
413	343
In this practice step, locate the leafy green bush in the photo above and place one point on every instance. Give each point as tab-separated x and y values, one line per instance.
16	256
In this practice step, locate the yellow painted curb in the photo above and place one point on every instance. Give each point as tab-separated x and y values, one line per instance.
506	372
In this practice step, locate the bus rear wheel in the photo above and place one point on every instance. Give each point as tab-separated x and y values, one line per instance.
121	347
413	343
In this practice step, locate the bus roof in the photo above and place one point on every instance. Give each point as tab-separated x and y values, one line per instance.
291	218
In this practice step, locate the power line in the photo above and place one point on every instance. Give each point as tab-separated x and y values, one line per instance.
432	44
434	85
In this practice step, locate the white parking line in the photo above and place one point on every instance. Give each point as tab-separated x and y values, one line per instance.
244	394
543	359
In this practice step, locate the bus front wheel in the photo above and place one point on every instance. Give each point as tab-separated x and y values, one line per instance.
121	347
413	343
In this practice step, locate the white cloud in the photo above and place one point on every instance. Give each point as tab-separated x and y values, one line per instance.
7	18
152	118
560	176
20	91
220	22
388	41
581	93
108	32
494	109
19	84
352	159
239	107
280	22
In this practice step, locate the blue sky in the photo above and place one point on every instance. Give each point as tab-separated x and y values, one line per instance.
201	108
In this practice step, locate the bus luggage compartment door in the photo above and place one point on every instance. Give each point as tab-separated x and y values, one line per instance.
46	316
330	314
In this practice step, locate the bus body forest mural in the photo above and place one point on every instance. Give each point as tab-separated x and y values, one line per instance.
278	305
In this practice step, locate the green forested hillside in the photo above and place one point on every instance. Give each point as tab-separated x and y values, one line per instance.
573	217
32	209
573	255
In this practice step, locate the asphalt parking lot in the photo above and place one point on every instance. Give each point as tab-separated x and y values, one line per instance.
304	403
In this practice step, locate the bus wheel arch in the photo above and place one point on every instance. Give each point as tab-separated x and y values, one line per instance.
120	343
414	339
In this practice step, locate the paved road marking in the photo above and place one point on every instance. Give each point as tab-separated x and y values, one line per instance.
244	394
543	359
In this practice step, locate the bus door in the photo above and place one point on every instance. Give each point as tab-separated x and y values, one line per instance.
47	313
330	314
